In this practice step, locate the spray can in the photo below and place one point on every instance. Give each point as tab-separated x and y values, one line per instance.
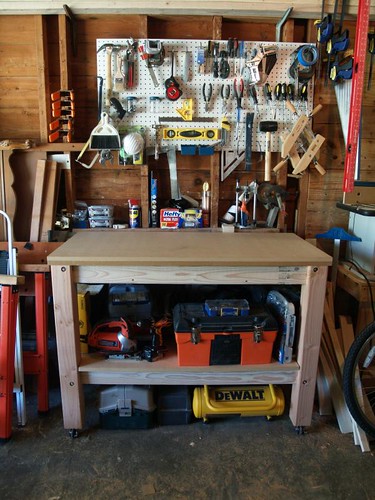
134	213
206	204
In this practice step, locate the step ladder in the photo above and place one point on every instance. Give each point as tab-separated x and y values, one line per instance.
18	387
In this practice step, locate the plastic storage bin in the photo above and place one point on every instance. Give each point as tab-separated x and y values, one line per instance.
174	405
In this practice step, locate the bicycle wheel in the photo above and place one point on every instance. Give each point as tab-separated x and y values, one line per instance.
359	379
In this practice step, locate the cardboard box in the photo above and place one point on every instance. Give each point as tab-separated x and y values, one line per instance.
204	340
84	292
169	218
83	298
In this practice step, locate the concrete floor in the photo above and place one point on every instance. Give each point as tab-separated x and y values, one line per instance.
228	459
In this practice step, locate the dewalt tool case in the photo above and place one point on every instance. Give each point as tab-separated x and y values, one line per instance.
204	340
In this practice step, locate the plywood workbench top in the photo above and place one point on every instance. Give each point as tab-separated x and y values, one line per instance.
186	248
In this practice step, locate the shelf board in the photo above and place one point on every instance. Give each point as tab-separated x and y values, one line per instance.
95	369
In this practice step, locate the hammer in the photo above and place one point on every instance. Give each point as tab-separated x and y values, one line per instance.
268	127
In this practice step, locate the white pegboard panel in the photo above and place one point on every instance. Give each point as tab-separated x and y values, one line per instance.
144	88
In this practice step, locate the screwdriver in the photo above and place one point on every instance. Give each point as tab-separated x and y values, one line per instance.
290	91
277	93
303	96
268	96
253	96
284	93
371	49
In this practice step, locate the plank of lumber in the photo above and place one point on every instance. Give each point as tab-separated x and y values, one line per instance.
324	397
346	326
342	414
330	322
49	201
38	199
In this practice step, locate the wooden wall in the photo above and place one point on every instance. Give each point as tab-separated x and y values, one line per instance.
31	66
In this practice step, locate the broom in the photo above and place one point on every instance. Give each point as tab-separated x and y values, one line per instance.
104	135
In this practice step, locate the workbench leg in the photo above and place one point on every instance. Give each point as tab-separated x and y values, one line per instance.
68	347
311	318
9	301
41	319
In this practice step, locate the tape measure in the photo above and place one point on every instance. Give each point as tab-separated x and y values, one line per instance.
360	48
191	133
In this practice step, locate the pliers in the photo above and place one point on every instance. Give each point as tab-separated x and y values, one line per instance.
207	95
238	87
225	93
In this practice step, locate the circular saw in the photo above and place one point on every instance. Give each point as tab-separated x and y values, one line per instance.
271	195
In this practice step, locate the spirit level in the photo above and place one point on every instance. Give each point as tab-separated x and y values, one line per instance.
360	48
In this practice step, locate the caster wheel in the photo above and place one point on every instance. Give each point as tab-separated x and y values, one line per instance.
73	433
300	430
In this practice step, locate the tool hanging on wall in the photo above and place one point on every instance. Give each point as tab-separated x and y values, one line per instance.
108	48
121	112
371	49
341	69
207	94
338	40
248	140
186	66
63	110
301	137
268	127
360	48
324	32
144	56
173	91
191	133
238	87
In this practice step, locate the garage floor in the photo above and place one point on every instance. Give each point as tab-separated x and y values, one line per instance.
226	459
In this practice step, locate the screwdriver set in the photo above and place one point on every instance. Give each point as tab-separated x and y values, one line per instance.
177	86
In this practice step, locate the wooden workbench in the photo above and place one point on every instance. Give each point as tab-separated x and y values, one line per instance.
186	257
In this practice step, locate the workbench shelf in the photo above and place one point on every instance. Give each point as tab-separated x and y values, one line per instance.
95	369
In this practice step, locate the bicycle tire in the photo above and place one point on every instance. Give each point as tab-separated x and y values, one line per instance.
363	348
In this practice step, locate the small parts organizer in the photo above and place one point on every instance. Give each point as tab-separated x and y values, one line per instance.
194	91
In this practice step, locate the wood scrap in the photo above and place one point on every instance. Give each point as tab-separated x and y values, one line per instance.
335	345
48	212
10	145
342	414
324	396
38	199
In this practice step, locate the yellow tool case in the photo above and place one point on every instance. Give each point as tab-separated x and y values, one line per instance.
244	401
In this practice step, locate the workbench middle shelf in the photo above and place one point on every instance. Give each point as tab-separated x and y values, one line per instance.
95	369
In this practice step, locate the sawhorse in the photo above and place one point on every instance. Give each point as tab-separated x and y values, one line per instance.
8	320
32	263
36	362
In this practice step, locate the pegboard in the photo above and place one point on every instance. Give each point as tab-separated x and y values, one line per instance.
145	116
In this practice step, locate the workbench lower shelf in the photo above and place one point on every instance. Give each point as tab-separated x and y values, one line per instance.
95	369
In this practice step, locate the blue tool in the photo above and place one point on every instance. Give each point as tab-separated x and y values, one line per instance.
337	234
